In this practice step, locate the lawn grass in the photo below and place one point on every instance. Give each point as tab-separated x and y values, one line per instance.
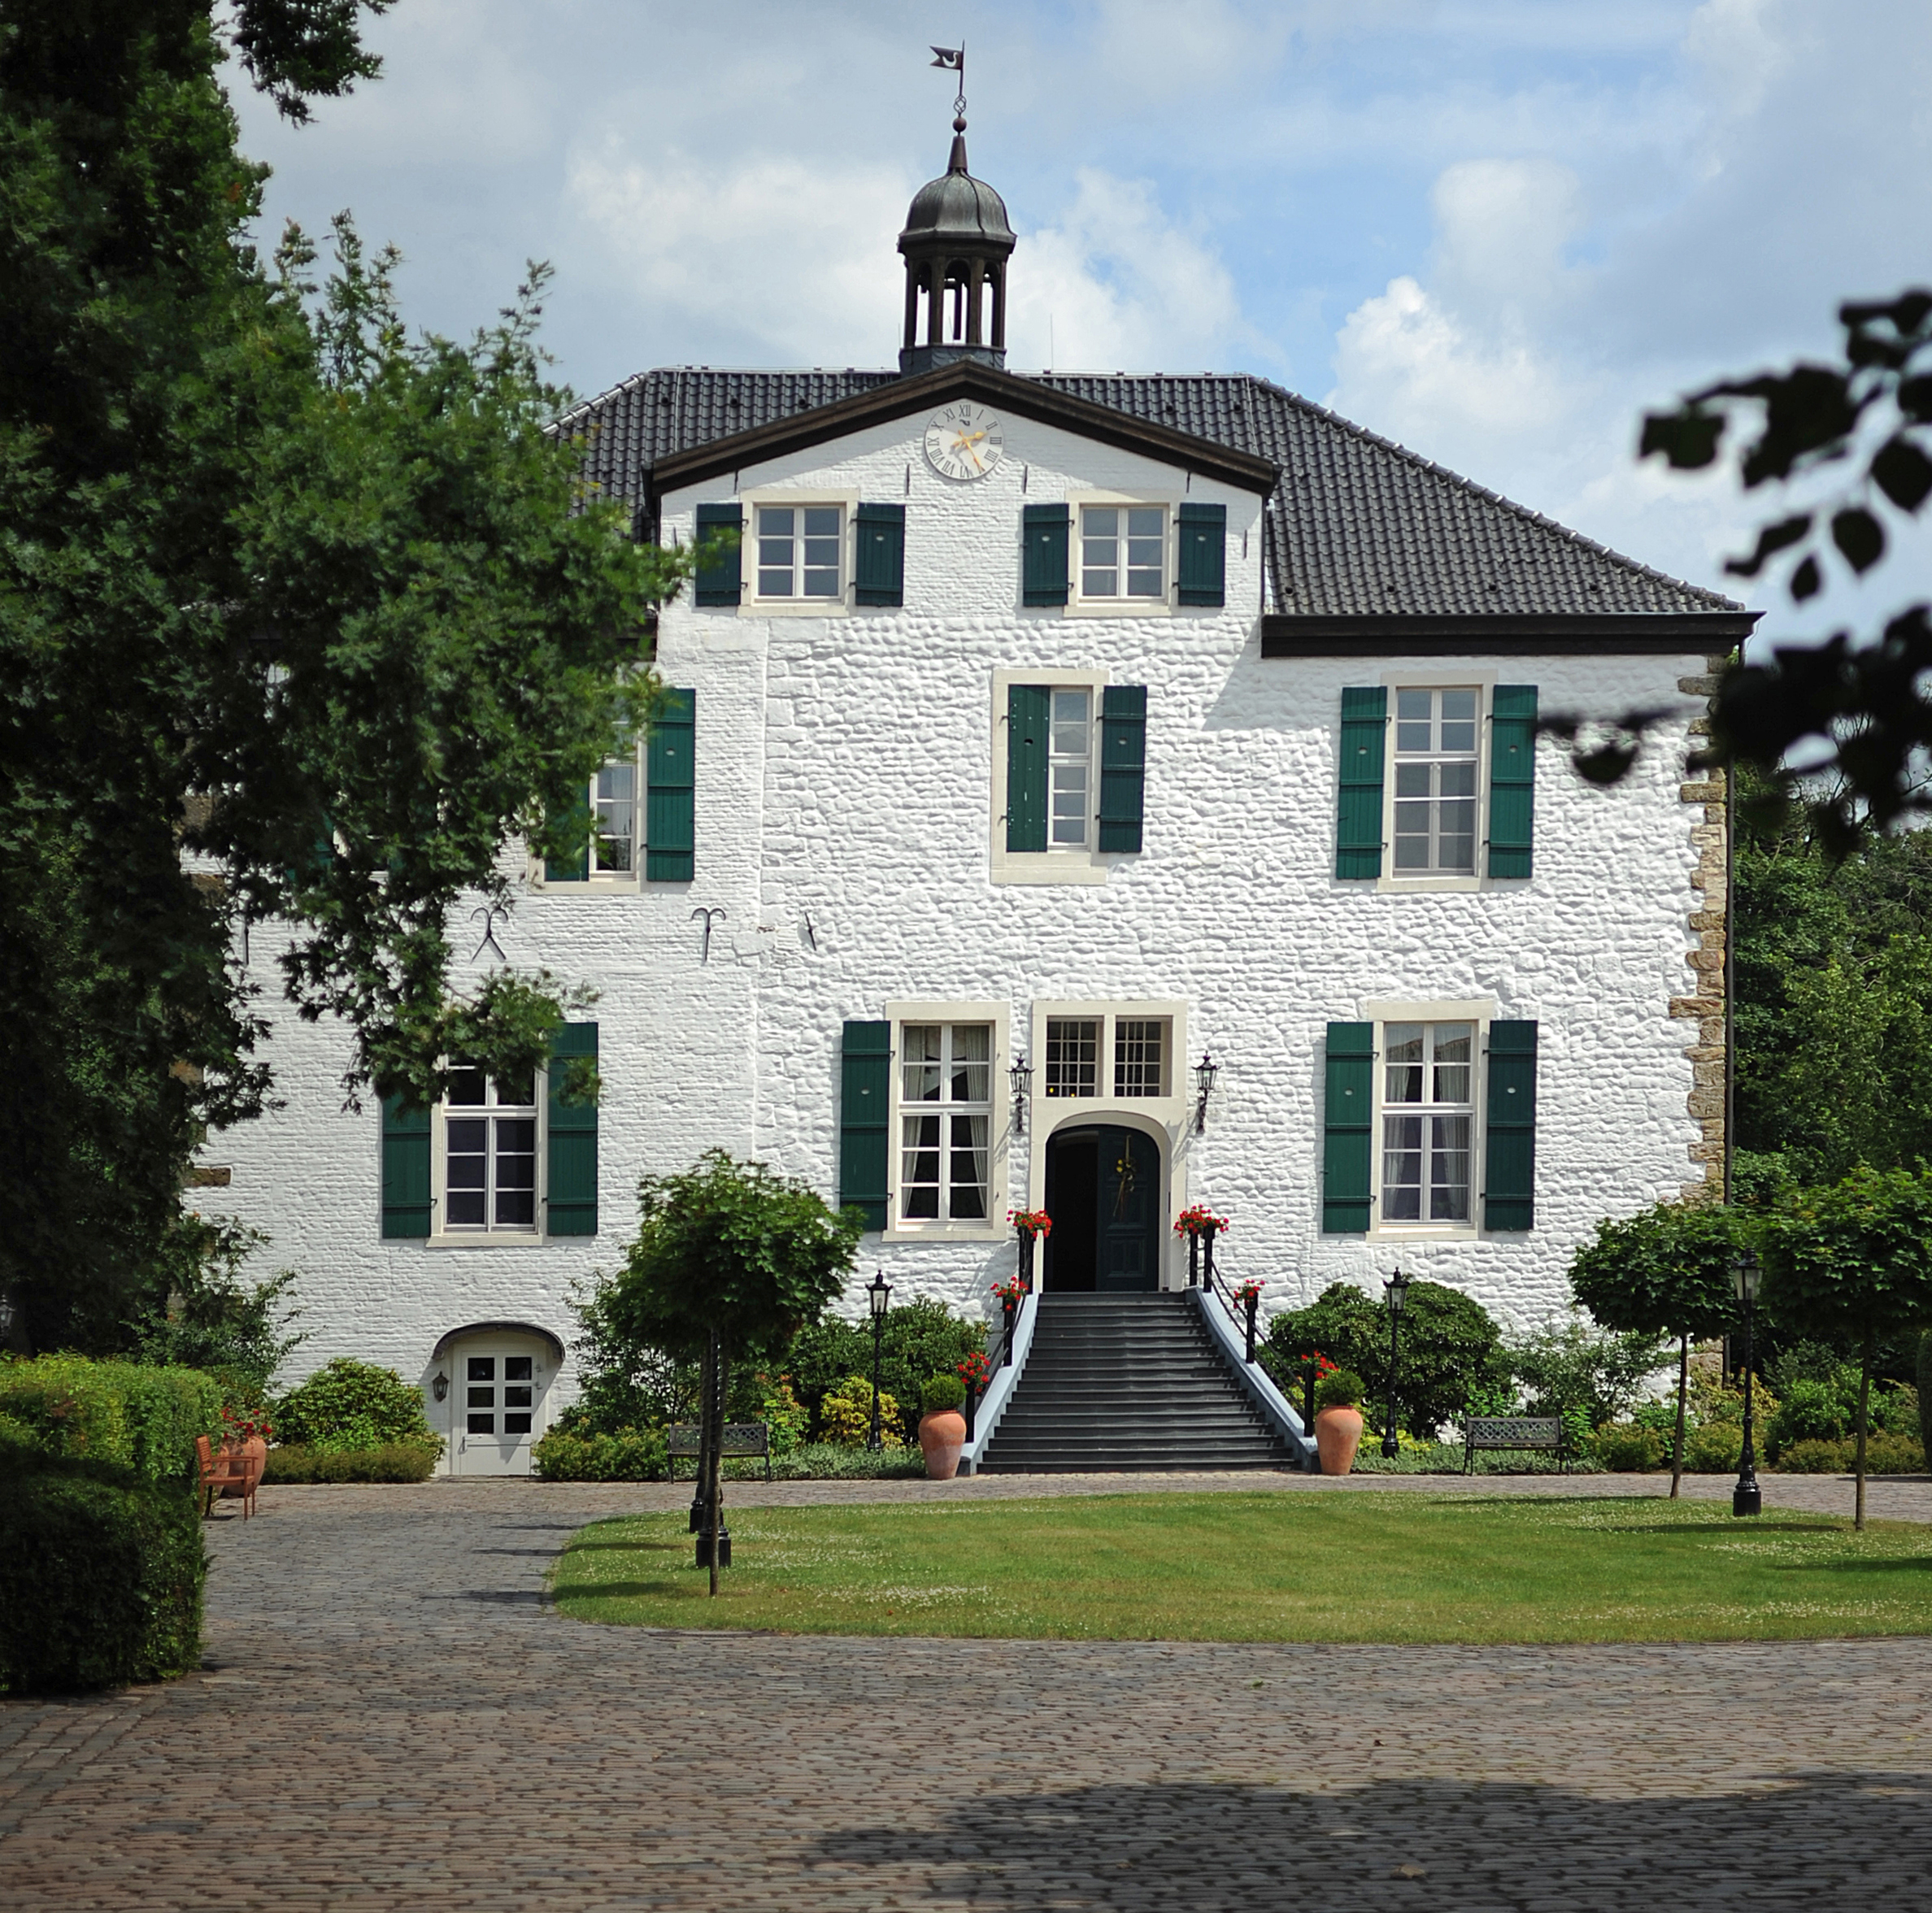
1267	1566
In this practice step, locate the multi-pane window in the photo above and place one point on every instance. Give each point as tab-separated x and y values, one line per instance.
1435	782
798	548
1428	1120
481	1397
1140	1055
946	1101
1069	765
1073	1056
614	820
490	1154
1122	551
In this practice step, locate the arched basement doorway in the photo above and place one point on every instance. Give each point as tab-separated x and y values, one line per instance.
498	1377
1103	1193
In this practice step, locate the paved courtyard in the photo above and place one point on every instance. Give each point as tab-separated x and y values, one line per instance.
392	1717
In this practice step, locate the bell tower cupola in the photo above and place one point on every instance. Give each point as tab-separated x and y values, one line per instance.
956	243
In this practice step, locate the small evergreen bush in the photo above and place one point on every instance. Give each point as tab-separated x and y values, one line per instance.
350	1405
942	1392
1341	1388
631	1454
1627	1448
1886	1454
291	1465
101	1576
845	1415
120	1413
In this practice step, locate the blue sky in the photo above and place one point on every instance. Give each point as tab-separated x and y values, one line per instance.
1493	230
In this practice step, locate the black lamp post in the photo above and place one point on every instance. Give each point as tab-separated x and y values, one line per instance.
1204	1073
1021	1076
1396	1289
1746	1498
878	1294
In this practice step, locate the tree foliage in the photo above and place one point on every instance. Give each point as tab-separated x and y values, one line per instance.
1665	1271
304	623
1853	1261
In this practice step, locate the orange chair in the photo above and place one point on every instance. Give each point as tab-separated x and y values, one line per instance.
224	1473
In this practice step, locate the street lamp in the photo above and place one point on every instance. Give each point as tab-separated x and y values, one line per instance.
1396	1289
1746	1498
1021	1076
1204	1073
878	1294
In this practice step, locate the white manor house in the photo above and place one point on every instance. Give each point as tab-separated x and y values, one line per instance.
1043	737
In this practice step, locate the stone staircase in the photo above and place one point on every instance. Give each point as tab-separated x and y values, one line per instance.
1128	1382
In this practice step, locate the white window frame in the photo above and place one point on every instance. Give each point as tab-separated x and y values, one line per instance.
443	1235
1085	866
1079	605
751	603
604	882
998	1123
1479	1012
1450	675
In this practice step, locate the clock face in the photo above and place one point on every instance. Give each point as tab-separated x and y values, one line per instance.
964	442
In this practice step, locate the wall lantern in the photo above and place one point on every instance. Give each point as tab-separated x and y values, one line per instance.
1205	1071
1021	1076
440	1387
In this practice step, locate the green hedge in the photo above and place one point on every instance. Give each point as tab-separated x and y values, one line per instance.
101	1577
292	1465
348	1407
120	1413
634	1455
1885	1454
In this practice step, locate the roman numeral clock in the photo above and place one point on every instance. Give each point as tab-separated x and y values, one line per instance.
964	442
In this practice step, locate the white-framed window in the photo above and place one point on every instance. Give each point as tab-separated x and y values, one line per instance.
1072	1057
799	552
946	1118
1070	769
614	820
1124	552
1436	766
1111	1053
1141	1064
489	1154
1428	1122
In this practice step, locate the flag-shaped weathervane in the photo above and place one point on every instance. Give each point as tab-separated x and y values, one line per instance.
952	57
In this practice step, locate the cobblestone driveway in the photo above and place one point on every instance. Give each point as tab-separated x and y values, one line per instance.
392	1718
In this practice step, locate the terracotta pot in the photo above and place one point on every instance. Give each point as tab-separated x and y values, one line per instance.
942	1435
1338	1435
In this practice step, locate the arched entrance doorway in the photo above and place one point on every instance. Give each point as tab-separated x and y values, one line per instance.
1103	1193
496	1377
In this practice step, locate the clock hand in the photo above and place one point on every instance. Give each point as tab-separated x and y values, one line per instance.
963	440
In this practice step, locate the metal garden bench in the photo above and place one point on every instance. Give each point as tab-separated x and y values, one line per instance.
742	1439
1488	1433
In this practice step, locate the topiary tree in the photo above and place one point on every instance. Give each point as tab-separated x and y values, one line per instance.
1855	1261
1664	1272
734	1259
1448	1344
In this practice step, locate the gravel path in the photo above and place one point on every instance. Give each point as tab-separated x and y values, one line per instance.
393	1717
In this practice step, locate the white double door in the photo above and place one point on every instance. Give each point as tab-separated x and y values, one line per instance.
500	1383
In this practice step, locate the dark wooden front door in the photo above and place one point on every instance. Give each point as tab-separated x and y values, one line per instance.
1103	1193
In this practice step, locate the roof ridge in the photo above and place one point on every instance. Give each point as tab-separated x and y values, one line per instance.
1541	520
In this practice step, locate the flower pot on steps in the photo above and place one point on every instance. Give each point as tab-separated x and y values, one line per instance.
1338	1435
942	1435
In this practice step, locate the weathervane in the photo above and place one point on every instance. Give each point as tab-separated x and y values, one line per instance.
953	60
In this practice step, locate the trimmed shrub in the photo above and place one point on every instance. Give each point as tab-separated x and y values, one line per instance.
1626	1449
942	1392
293	1466
352	1406
122	1414
1713	1447
633	1454
101	1577
845	1415
1885	1454
919	1338
1810	1411
1340	1387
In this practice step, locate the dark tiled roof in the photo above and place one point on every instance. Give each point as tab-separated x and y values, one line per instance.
1357	526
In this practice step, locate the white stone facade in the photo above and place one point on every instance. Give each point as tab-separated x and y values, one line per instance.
848	796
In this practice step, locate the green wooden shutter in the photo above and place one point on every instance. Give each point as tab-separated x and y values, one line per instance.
1509	1186
720	575
880	574
573	828
670	779
1123	765
1029	710
1513	778
1202	572
1348	1128
1044	535
405	1201
865	1082
1359	800
572	1188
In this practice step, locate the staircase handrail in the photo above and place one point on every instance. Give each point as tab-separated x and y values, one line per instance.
1232	1325
1005	1359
